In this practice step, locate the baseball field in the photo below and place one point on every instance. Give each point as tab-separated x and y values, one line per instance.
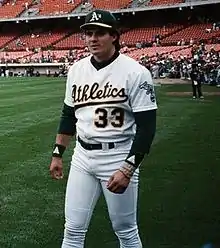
179	203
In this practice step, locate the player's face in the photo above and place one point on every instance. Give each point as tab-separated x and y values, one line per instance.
99	42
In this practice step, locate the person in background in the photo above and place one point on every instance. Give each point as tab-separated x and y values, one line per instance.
195	76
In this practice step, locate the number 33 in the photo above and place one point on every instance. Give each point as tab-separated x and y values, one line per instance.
116	118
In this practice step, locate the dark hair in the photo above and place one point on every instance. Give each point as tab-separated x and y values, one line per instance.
116	43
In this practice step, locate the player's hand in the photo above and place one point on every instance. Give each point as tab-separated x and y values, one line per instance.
56	168
118	183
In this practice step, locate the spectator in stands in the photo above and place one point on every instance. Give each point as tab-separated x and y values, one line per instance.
86	5
2	2
208	30
183	71
18	42
217	26
214	26
36	2
155	70
157	39
138	45
191	42
157	42
26	5
182	42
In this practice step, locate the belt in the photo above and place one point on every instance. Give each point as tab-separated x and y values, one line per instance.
99	146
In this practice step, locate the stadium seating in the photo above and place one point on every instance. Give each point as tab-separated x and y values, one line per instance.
70	42
130	37
187	51
6	38
110	4
10	10
164	2
152	51
57	54
61	41
13	55
171	51
57	7
196	32
147	34
36	40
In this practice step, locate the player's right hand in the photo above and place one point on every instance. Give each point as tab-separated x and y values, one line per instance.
118	183
56	168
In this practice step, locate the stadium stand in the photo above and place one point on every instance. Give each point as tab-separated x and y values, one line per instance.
57	7
13	55
171	51
195	32
153	51
166	41
14	8
6	38
110	4
73	41
36	40
64	40
164	2
131	37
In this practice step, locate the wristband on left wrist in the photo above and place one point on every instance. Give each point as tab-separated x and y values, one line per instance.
58	150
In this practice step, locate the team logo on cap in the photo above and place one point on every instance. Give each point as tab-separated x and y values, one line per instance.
95	17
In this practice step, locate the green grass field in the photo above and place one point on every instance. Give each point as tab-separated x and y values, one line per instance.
179	204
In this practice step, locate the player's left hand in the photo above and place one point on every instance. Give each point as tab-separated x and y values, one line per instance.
118	183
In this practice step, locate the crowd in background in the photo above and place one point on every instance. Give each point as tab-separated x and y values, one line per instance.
166	65
160	65
70	56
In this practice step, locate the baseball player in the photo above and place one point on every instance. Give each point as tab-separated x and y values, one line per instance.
110	105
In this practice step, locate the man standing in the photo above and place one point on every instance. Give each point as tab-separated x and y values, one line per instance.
196	78
110	104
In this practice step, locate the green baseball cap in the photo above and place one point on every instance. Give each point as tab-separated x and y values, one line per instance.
100	18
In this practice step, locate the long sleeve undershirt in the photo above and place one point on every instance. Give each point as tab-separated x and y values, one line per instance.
145	131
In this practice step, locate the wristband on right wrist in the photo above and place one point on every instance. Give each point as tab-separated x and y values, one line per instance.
58	150
128	170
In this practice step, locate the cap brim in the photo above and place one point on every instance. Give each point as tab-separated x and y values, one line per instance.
93	24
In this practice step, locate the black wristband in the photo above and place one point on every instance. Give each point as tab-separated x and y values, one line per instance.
58	150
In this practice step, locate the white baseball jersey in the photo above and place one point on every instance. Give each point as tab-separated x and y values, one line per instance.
105	99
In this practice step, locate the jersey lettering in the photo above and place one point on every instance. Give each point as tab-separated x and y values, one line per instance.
104	101
93	92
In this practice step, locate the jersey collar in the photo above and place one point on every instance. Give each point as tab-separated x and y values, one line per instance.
100	65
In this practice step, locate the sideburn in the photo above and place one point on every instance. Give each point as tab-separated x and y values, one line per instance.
116	43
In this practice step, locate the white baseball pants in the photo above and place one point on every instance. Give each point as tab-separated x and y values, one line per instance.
88	177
